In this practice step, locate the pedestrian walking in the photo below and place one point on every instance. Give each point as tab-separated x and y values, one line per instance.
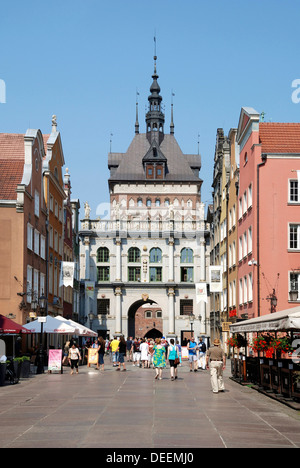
179	352
173	357
150	353
159	358
122	353
192	349
114	346
74	357
216	361
136	352
101	352
144	353
202	354
129	349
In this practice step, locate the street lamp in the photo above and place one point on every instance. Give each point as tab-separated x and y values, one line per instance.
40	361
192	319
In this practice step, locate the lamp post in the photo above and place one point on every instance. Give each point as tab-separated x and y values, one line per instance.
192	319
40	360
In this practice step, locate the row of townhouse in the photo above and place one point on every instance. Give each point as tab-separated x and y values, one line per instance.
255	219
36	225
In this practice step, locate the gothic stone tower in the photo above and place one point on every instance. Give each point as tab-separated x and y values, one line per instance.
146	259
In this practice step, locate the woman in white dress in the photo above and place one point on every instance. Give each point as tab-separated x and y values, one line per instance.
144	347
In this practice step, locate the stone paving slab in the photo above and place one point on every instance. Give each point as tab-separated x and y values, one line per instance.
124	410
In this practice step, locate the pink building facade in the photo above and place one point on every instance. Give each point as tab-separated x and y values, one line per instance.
268	216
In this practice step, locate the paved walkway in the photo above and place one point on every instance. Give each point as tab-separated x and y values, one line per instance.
130	409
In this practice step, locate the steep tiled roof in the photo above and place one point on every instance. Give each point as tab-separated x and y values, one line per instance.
11	164
129	166
279	137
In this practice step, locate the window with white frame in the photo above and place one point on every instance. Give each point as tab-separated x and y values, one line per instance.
42	284
245	289
240	249
245	244
250	287
36	283
241	291
233	216
293	191
250	196
294	236
250	239
233	253
36	242
29	283
234	293
43	247
29	236
245	207
240	208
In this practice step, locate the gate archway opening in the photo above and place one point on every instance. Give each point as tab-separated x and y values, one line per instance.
145	319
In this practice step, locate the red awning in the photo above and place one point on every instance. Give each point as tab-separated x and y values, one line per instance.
8	326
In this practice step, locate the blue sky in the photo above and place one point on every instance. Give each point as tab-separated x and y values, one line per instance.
84	60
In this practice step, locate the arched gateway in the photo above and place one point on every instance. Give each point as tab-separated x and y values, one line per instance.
145	319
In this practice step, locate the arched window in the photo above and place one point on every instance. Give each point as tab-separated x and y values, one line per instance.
155	255
103	255
134	255
187	256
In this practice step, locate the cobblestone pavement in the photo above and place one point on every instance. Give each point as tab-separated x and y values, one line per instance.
132	410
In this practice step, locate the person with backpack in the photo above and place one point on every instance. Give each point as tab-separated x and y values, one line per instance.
202	354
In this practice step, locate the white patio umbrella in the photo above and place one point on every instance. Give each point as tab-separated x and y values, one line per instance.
83	331
52	325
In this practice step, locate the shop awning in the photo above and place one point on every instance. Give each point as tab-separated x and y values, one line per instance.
82	331
9	327
52	325
284	320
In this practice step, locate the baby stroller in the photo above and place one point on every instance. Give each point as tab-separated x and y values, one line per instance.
11	375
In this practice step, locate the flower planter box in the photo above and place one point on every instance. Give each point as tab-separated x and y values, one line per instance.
25	369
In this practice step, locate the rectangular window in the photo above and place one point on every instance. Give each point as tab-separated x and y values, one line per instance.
245	289
36	283
249	240
250	196
241	292
134	274
187	274
103	306
42	284
186	306
36	242
293	192
250	288
43	247
103	273
29	236
155	274
294	236
240	249
29	282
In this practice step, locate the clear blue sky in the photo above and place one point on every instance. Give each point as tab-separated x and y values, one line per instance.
84	60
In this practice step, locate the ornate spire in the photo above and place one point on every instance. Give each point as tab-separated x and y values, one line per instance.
155	118
172	117
137	126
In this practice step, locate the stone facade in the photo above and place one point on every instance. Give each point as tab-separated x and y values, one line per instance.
151	252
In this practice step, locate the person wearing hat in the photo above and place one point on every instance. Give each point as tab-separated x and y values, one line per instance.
216	361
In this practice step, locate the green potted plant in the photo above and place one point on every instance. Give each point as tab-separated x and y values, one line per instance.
25	367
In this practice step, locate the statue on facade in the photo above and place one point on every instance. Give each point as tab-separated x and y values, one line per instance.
87	210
